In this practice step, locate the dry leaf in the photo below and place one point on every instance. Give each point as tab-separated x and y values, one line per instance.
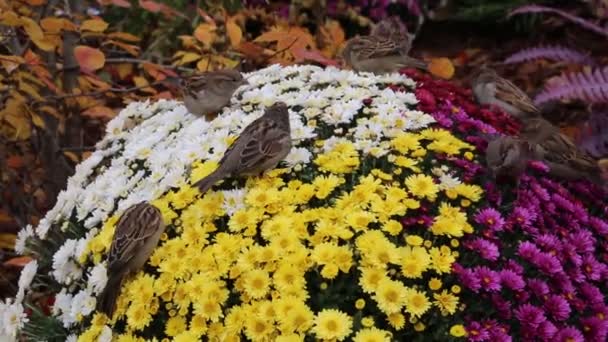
94	25
203	64
56	25
315	56
189	57
89	59
441	67
10	63
124	70
17	125
132	49
72	156
15	161
35	33
234	32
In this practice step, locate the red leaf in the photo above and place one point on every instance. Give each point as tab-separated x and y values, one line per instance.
15	162
313	55
89	58
18	261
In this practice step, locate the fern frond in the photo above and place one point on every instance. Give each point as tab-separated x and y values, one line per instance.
588	86
554	52
573	18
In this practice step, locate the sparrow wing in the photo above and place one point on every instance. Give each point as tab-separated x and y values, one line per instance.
135	226
508	92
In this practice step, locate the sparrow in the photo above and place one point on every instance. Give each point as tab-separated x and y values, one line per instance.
491	89
137	234
392	28
207	93
260	147
379	54
564	159
507	157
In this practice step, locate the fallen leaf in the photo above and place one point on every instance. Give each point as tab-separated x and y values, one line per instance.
234	32
441	67
132	49
17	126
89	59
10	18
189	57
10	63
94	25
205	16
203	64
7	241
124	70
142	82
72	156
150	5
99	112
18	261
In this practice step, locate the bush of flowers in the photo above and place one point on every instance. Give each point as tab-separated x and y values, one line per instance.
379	225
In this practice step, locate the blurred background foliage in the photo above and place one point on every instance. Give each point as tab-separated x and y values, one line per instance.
68	66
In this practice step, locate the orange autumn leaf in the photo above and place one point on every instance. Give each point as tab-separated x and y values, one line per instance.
15	161
234	32
441	67
56	25
11	63
205	33
131	49
18	261
89	59
124	36
99	112
291	38
94	25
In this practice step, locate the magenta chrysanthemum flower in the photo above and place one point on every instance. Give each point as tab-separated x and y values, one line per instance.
595	329
502	306
490	218
538	287
512	280
569	334
468	279
528	251
600	226
582	240
530	316
539	166
592	268
476	332
548	264
593	296
489	279
557	307
486	249
546	330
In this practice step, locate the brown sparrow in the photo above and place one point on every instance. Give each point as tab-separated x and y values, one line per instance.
507	157
137	234
564	159
379	54
207	93
260	147
491	89
394	29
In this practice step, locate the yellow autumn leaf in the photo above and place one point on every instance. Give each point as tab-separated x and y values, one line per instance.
56	25
124	36
189	57
11	63
94	25
36	35
203	64
234	32
441	67
17	125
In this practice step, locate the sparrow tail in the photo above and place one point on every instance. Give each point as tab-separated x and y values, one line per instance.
106	302
206	183
411	62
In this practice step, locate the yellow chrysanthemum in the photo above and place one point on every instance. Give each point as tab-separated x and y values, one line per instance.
175	326
416	302
435	284
370	278
138	317
396	320
332	324
458	330
415	261
441	260
422	186
414	240
343	158
471	191
405	142
392	227
298	319
201	170
256	283
390	295
324	185
257	328
360	303
446	302
372	335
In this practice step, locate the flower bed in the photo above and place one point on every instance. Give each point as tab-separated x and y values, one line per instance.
380	225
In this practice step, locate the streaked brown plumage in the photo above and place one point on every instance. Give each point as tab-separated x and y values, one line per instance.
207	93
260	147
379	55
137	234
564	159
393	29
491	89
507	157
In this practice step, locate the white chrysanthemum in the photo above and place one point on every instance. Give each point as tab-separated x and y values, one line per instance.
12	319
71	338
25	279
65	270
22	237
234	200
298	155
98	278
448	181
105	335
83	304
